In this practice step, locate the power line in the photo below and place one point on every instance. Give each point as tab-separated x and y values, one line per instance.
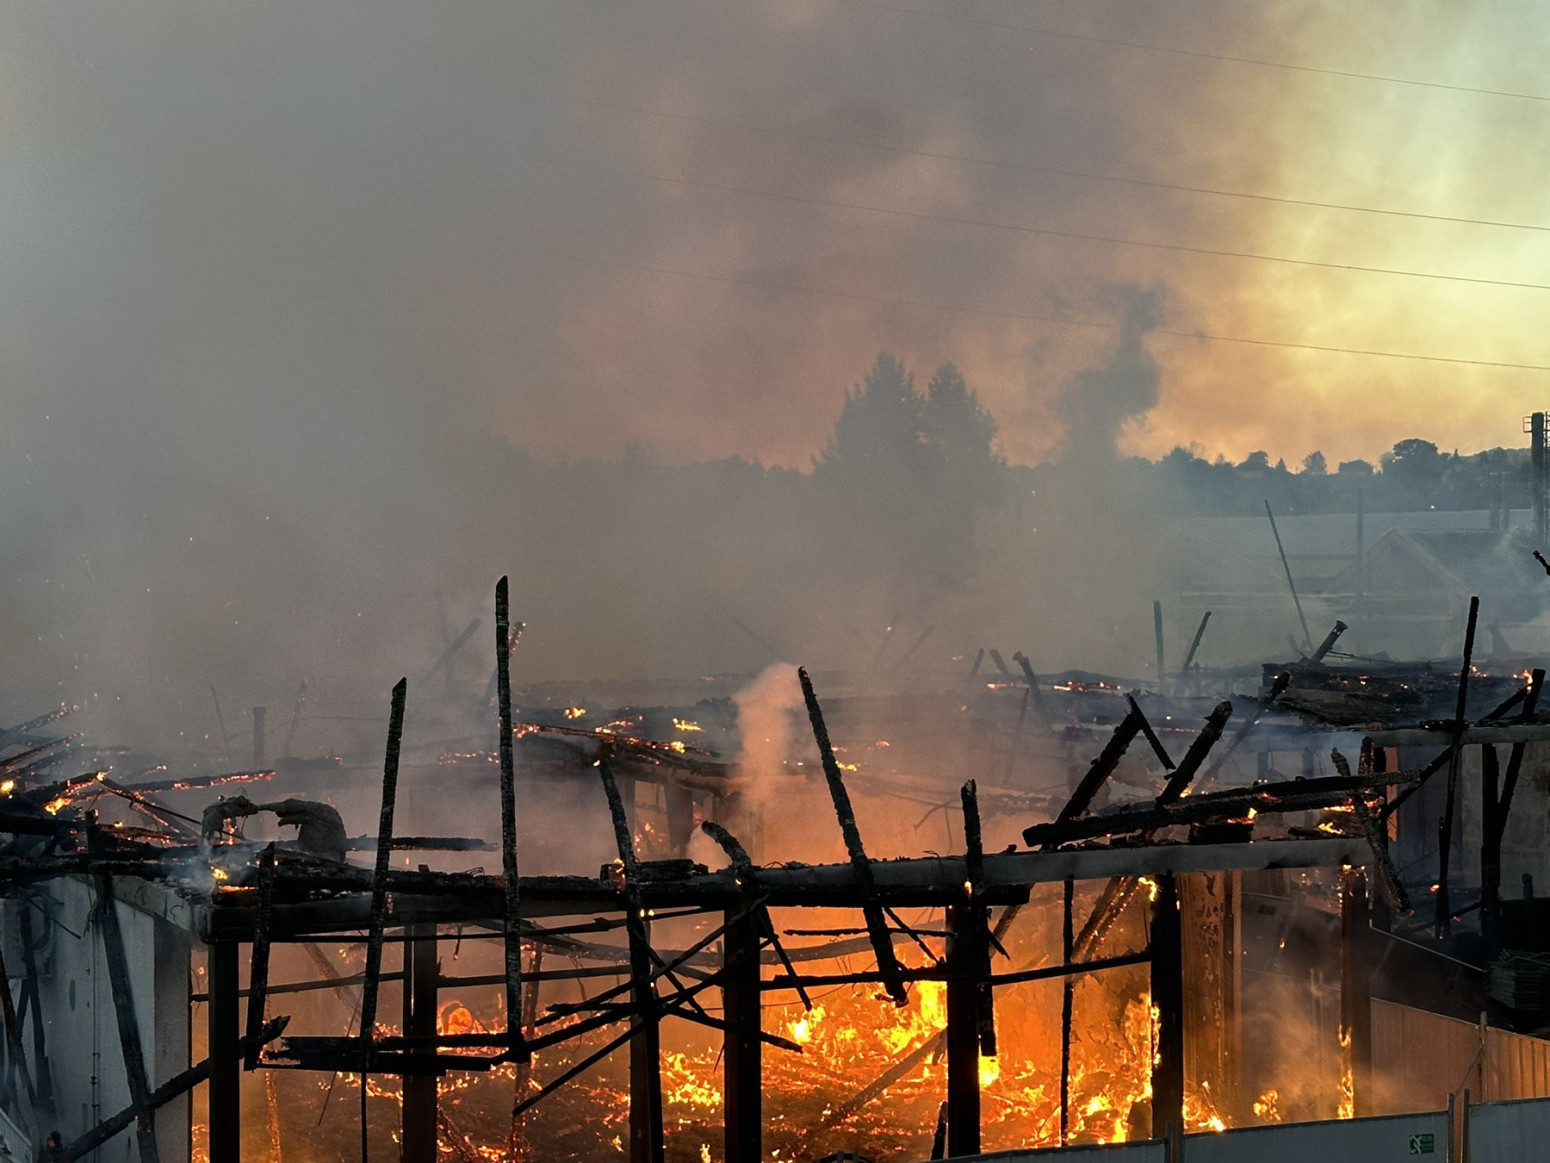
921	304
1202	55
1174	247
1083	175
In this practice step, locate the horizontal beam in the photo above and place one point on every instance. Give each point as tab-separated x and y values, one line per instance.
911	883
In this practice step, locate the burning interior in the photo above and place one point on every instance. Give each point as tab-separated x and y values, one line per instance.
763	923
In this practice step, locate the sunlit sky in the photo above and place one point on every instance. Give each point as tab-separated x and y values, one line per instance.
687	227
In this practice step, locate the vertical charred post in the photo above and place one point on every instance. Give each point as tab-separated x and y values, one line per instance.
1496	823
646	1144
420	1004
258	963
1167	951
513	898
1039	709
372	976
974	869
1490	851
740	1000
1194	645
1445	834
1356	989
1067	1000
965	955
225	1055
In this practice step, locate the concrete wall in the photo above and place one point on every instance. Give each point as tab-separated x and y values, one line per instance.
85	1058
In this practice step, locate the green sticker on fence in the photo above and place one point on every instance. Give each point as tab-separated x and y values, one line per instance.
1423	1144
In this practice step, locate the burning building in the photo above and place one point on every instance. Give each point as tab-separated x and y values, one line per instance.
773	927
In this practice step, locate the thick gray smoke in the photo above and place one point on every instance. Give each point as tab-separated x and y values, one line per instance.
283	286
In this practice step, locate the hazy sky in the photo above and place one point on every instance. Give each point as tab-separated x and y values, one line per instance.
253	236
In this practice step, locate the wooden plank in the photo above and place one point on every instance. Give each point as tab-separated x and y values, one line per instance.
877	927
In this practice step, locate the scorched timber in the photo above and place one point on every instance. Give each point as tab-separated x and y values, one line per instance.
915	883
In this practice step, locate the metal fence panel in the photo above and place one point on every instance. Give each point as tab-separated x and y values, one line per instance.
1388	1139
1517	1066
1508	1132
1419	1058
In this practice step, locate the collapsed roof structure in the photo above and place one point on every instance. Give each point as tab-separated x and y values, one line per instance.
1150	842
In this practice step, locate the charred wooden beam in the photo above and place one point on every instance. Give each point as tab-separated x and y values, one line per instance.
379	874
965	969
741	1003
258	963
1118	892
1277	689
1179	781
419	1113
1034	693
1151	736
939	1136
511	882
128	1024
974	866
882	944
1444	910
748	880
646	1143
1100	769
1167	953
1390	883
225	1061
900	1069
940	973
1111	902
1068	995
1515	757
1200	632
1329	641
1266	799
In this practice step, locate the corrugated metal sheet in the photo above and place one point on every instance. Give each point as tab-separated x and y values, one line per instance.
1389	1139
1509	1132
1419	1058
1516	1066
